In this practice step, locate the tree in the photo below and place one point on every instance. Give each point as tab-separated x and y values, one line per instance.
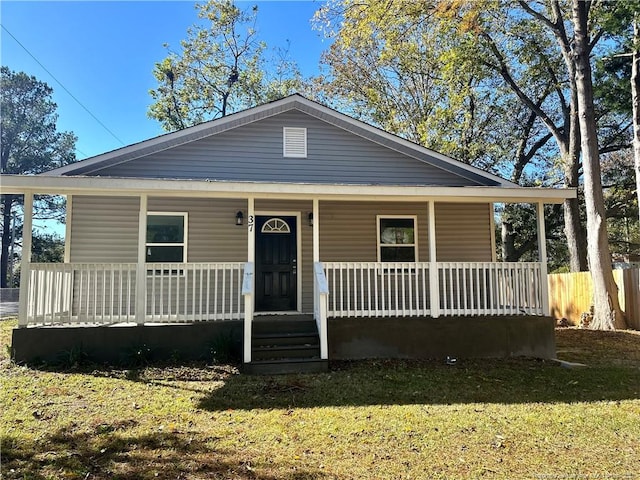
30	144
414	69
635	94
607	314
221	69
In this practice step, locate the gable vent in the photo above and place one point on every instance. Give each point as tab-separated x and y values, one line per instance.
294	142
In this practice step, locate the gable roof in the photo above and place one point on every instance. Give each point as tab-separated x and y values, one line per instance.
94	165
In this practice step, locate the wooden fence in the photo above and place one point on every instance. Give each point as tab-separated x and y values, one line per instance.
570	294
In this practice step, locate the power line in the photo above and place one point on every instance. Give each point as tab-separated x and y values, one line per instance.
63	87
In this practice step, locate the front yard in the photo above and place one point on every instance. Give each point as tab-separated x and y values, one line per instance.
375	419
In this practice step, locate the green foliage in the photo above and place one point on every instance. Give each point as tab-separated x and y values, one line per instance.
139	355
47	248
73	358
225	348
30	143
220	69
621	203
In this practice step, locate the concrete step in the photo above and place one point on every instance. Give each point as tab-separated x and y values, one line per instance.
280	367
300	338
276	352
268	325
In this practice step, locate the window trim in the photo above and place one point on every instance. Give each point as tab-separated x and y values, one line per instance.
295	131
185	236
415	236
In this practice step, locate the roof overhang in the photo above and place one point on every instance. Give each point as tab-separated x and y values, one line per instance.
67	185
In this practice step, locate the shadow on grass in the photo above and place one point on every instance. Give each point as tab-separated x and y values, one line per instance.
410	382
112	453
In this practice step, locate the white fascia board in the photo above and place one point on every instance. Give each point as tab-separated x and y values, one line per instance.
66	185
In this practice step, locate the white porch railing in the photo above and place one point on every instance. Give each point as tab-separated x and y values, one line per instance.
381	289
194	292
96	293
377	289
481	288
105	293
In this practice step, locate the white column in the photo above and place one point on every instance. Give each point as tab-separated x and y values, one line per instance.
25	265
67	234
542	252
316	230
249	299
141	271
492	223
434	283
251	230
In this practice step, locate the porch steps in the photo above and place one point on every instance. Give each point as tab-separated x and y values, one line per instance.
281	345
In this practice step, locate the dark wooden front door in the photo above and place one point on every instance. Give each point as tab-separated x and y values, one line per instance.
276	264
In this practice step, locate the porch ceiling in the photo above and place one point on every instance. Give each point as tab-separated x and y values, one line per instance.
68	185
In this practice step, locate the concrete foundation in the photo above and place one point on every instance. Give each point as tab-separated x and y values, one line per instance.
461	337
126	344
349	339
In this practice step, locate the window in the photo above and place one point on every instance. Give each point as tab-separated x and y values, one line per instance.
166	237
397	239
294	142
276	225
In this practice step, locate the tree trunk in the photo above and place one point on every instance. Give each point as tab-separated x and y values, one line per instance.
635	103
575	233
607	314
508	235
7	204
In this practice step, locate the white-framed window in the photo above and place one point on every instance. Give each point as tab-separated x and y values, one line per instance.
294	142
276	225
167	235
397	238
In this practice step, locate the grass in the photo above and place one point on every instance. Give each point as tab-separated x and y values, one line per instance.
376	419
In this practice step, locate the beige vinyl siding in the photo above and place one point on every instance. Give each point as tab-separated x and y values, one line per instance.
305	260
104	229
348	229
463	232
213	235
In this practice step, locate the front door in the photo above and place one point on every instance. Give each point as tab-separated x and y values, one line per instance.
276	264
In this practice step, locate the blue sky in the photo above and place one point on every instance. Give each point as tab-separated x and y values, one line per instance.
104	53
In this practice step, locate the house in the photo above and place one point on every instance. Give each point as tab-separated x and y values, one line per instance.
298	229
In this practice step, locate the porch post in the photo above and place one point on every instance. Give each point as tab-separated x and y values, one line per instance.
249	299
434	283
67	231
25	265
542	252
141	271
316	230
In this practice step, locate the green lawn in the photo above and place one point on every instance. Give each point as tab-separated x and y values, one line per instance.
378	419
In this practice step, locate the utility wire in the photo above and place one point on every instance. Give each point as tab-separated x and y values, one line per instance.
63	87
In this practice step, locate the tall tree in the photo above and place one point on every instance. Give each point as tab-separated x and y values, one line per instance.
607	314
30	144
221	68
635	100
435	73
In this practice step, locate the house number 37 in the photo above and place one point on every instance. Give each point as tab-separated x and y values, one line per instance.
250	223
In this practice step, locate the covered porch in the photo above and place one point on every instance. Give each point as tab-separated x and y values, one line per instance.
329	286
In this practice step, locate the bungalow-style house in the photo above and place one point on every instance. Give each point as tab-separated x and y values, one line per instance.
293	230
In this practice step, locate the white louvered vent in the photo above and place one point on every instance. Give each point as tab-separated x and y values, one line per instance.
295	142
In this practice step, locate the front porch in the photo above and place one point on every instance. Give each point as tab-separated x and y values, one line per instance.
101	295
